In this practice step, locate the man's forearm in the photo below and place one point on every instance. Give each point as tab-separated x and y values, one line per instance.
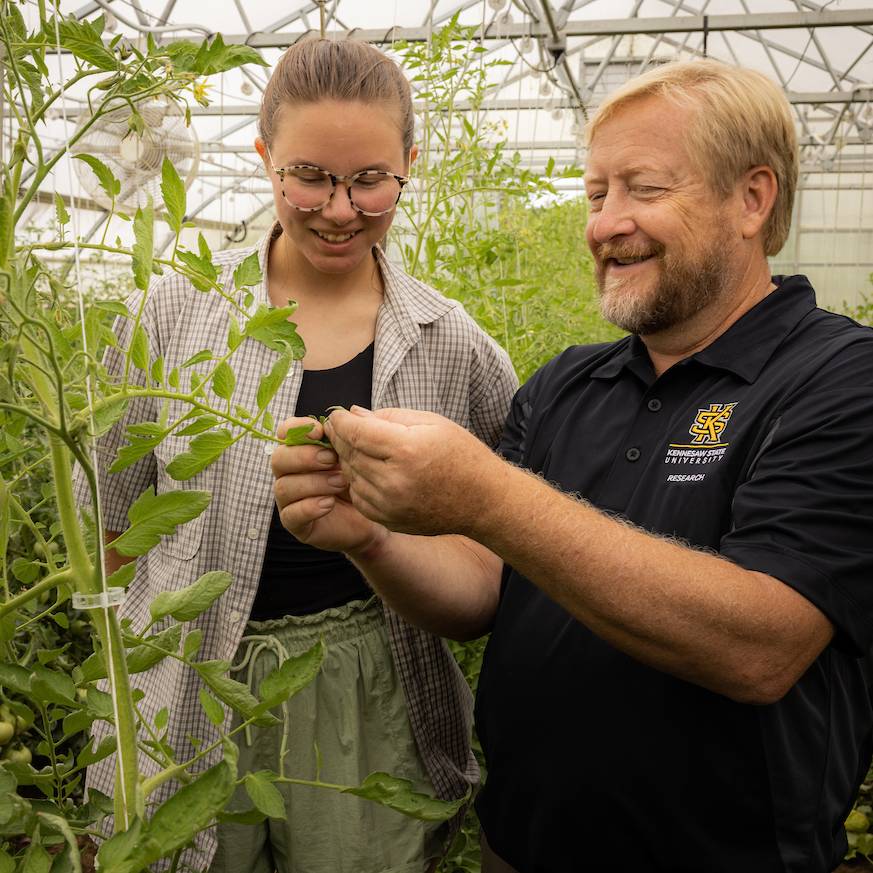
447	585
693	614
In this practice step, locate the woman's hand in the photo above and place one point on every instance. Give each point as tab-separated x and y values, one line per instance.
313	497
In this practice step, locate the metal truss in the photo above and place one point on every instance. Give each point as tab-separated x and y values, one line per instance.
821	56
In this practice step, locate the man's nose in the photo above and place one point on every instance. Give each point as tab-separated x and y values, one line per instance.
613	218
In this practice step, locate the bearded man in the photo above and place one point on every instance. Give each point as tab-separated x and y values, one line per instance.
680	596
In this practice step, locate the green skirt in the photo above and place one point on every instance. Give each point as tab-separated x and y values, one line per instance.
349	722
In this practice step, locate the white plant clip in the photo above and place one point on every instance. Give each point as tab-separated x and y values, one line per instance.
103	600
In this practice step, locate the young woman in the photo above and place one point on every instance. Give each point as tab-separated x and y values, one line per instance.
336	139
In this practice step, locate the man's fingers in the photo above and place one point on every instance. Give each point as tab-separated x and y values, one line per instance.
364	432
408	417
301	459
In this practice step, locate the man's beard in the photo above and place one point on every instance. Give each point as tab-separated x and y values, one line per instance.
684	287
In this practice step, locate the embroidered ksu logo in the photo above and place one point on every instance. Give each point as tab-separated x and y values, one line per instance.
707	444
710	424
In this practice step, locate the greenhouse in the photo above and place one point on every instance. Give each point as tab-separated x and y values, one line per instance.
435	436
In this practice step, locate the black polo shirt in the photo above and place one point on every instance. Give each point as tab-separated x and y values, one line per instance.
760	447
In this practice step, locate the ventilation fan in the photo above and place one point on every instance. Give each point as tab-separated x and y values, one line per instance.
136	160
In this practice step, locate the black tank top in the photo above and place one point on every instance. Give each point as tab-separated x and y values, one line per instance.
298	579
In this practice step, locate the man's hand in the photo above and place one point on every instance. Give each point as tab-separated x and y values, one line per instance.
313	498
413	472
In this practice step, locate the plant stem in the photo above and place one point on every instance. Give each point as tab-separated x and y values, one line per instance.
62	577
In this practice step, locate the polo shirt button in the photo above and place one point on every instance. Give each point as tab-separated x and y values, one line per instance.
632	454
253	533
655	405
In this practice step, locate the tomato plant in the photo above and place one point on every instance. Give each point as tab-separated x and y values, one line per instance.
68	661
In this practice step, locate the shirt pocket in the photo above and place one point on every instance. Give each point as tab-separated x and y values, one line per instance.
188	537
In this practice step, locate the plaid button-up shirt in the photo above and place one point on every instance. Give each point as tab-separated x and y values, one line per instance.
429	355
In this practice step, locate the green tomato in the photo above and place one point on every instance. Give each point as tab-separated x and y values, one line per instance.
21	755
857	822
7	732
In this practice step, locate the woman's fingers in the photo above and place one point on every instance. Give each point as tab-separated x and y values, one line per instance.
291	460
301	486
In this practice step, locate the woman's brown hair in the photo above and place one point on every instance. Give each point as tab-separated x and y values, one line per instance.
327	69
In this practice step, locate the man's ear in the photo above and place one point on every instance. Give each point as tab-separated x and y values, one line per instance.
261	149
413	154
759	190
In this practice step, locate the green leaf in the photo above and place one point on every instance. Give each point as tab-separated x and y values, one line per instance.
108	413
7	865
248	272
247	817
204	422
205	449
157	370
25	571
550	166
123	576
84	40
291	676
139	348
173	192
61	210
271	382
209	58
270	326
113	307
143	247
265	796
193	641
235	694
160	646
203	268
173	378
398	794
15	678
234	335
162	718
115	852
90	755
213	709
268	423
224	381
198	358
99	704
190	810
110	185
131	453
51	686
188	603
36	860
155	515
299	436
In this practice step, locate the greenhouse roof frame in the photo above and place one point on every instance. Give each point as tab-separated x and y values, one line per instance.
562	57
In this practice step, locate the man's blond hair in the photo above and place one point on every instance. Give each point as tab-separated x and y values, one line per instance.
740	119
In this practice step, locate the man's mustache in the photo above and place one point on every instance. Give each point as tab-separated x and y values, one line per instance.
623	250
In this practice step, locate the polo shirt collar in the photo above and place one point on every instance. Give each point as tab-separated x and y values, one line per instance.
744	348
750	342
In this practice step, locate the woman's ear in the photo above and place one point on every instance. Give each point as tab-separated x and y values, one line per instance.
413	154
261	148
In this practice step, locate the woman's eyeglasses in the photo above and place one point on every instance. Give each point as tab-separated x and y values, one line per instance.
309	189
